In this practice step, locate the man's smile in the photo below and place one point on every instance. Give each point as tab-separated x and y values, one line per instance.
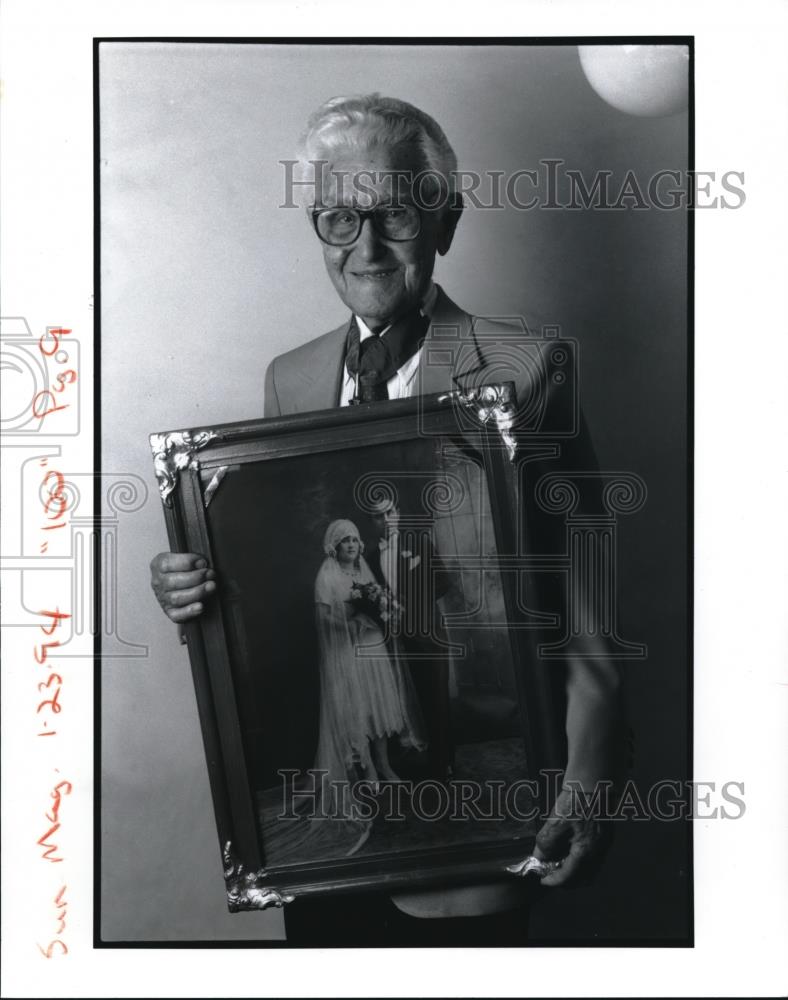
376	275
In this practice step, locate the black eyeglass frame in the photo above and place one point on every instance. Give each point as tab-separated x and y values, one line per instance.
363	214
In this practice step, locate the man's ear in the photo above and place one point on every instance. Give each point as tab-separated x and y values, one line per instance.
448	225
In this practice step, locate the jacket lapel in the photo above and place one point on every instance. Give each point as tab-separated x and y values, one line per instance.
450	351
328	371
312	380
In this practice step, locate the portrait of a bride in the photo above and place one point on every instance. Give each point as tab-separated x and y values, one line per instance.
366	699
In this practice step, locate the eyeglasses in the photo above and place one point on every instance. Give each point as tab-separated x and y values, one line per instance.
339	227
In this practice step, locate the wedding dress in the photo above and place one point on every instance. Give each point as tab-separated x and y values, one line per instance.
365	693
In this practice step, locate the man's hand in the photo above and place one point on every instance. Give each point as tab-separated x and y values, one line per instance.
181	582
577	842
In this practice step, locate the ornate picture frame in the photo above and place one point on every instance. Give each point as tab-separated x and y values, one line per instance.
260	500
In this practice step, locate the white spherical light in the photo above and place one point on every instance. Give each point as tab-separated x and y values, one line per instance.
648	80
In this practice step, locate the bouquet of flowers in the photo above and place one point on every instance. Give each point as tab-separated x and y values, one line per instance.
376	601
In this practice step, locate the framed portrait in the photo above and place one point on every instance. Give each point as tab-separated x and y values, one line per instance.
370	708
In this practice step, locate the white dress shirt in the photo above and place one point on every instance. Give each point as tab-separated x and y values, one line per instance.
401	385
389	559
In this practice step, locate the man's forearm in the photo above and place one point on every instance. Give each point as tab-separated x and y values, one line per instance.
593	720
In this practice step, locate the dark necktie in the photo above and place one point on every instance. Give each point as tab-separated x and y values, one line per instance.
378	358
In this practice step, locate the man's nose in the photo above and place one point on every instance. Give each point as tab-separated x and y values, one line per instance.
369	245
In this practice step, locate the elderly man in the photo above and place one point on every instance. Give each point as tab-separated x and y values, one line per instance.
383	207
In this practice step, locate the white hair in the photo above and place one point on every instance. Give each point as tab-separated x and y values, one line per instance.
368	121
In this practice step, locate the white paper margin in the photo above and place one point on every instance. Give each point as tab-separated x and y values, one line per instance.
741	677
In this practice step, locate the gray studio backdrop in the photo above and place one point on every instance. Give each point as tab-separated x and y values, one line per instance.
204	279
